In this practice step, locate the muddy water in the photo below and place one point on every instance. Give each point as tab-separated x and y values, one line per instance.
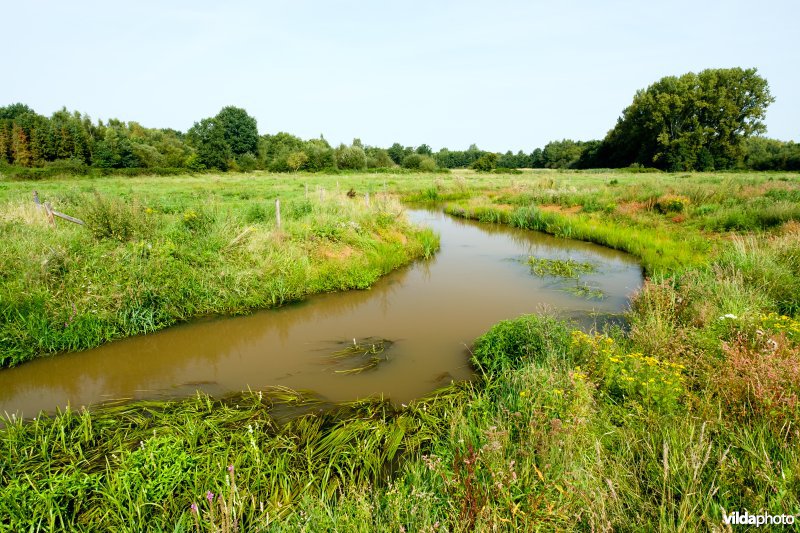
430	311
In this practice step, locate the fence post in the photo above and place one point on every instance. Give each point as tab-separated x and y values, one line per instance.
366	198
278	212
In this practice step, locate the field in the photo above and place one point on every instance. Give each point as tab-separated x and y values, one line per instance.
689	413
157	251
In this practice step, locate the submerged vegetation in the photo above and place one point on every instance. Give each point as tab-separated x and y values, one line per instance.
563	268
567	269
689	414
364	355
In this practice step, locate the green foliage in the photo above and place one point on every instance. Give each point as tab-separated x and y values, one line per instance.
113	219
671	204
770	154
153	249
561	431
568	268
297	160
351	158
513	343
419	162
486	163
631	376
208	138
562	154
691	122
239	130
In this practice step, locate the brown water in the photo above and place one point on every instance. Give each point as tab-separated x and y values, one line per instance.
431	310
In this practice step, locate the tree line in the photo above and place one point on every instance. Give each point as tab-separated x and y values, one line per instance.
705	121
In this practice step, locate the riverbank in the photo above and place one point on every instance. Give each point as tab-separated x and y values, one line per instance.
687	417
158	251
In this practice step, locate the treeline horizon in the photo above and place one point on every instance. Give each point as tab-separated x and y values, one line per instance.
707	121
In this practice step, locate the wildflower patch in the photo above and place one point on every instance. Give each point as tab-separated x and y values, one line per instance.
630	376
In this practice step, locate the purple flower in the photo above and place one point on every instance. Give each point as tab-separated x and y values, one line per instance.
230	468
193	507
210	496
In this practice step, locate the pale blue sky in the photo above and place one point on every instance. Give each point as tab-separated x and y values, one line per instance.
504	75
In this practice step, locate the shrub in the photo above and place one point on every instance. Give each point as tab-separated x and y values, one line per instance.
351	158
247	162
486	163
511	343
419	162
113	219
671	204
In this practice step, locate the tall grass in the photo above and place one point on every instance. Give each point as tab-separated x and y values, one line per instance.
689	414
145	261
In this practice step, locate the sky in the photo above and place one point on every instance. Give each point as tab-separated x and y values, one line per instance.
503	75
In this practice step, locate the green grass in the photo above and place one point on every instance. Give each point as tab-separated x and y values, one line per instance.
157	251
121	468
690	412
562	268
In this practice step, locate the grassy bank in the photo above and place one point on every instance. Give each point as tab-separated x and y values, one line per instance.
156	251
689	414
669	221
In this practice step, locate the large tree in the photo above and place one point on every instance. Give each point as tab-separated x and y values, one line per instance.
691	122
239	130
208	138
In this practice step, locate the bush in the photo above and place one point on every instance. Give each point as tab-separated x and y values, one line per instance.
113	219
351	158
486	163
419	162
247	162
671	204
511	343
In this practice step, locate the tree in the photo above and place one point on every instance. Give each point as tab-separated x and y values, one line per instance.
12	111
5	141
20	147
351	157
239	130
689	122
378	158
208	137
296	160
399	152
486	163
320	155
562	154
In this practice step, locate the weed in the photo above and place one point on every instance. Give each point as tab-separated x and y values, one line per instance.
562	268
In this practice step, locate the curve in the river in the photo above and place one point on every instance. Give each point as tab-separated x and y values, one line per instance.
430	311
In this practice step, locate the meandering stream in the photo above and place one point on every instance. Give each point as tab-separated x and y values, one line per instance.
429	311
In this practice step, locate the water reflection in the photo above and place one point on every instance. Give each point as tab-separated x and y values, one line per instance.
431	310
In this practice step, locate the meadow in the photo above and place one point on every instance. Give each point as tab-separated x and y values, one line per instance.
688	413
159	251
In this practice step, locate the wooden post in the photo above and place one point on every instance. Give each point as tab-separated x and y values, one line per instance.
69	218
49	210
278	212
366	198
322	194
